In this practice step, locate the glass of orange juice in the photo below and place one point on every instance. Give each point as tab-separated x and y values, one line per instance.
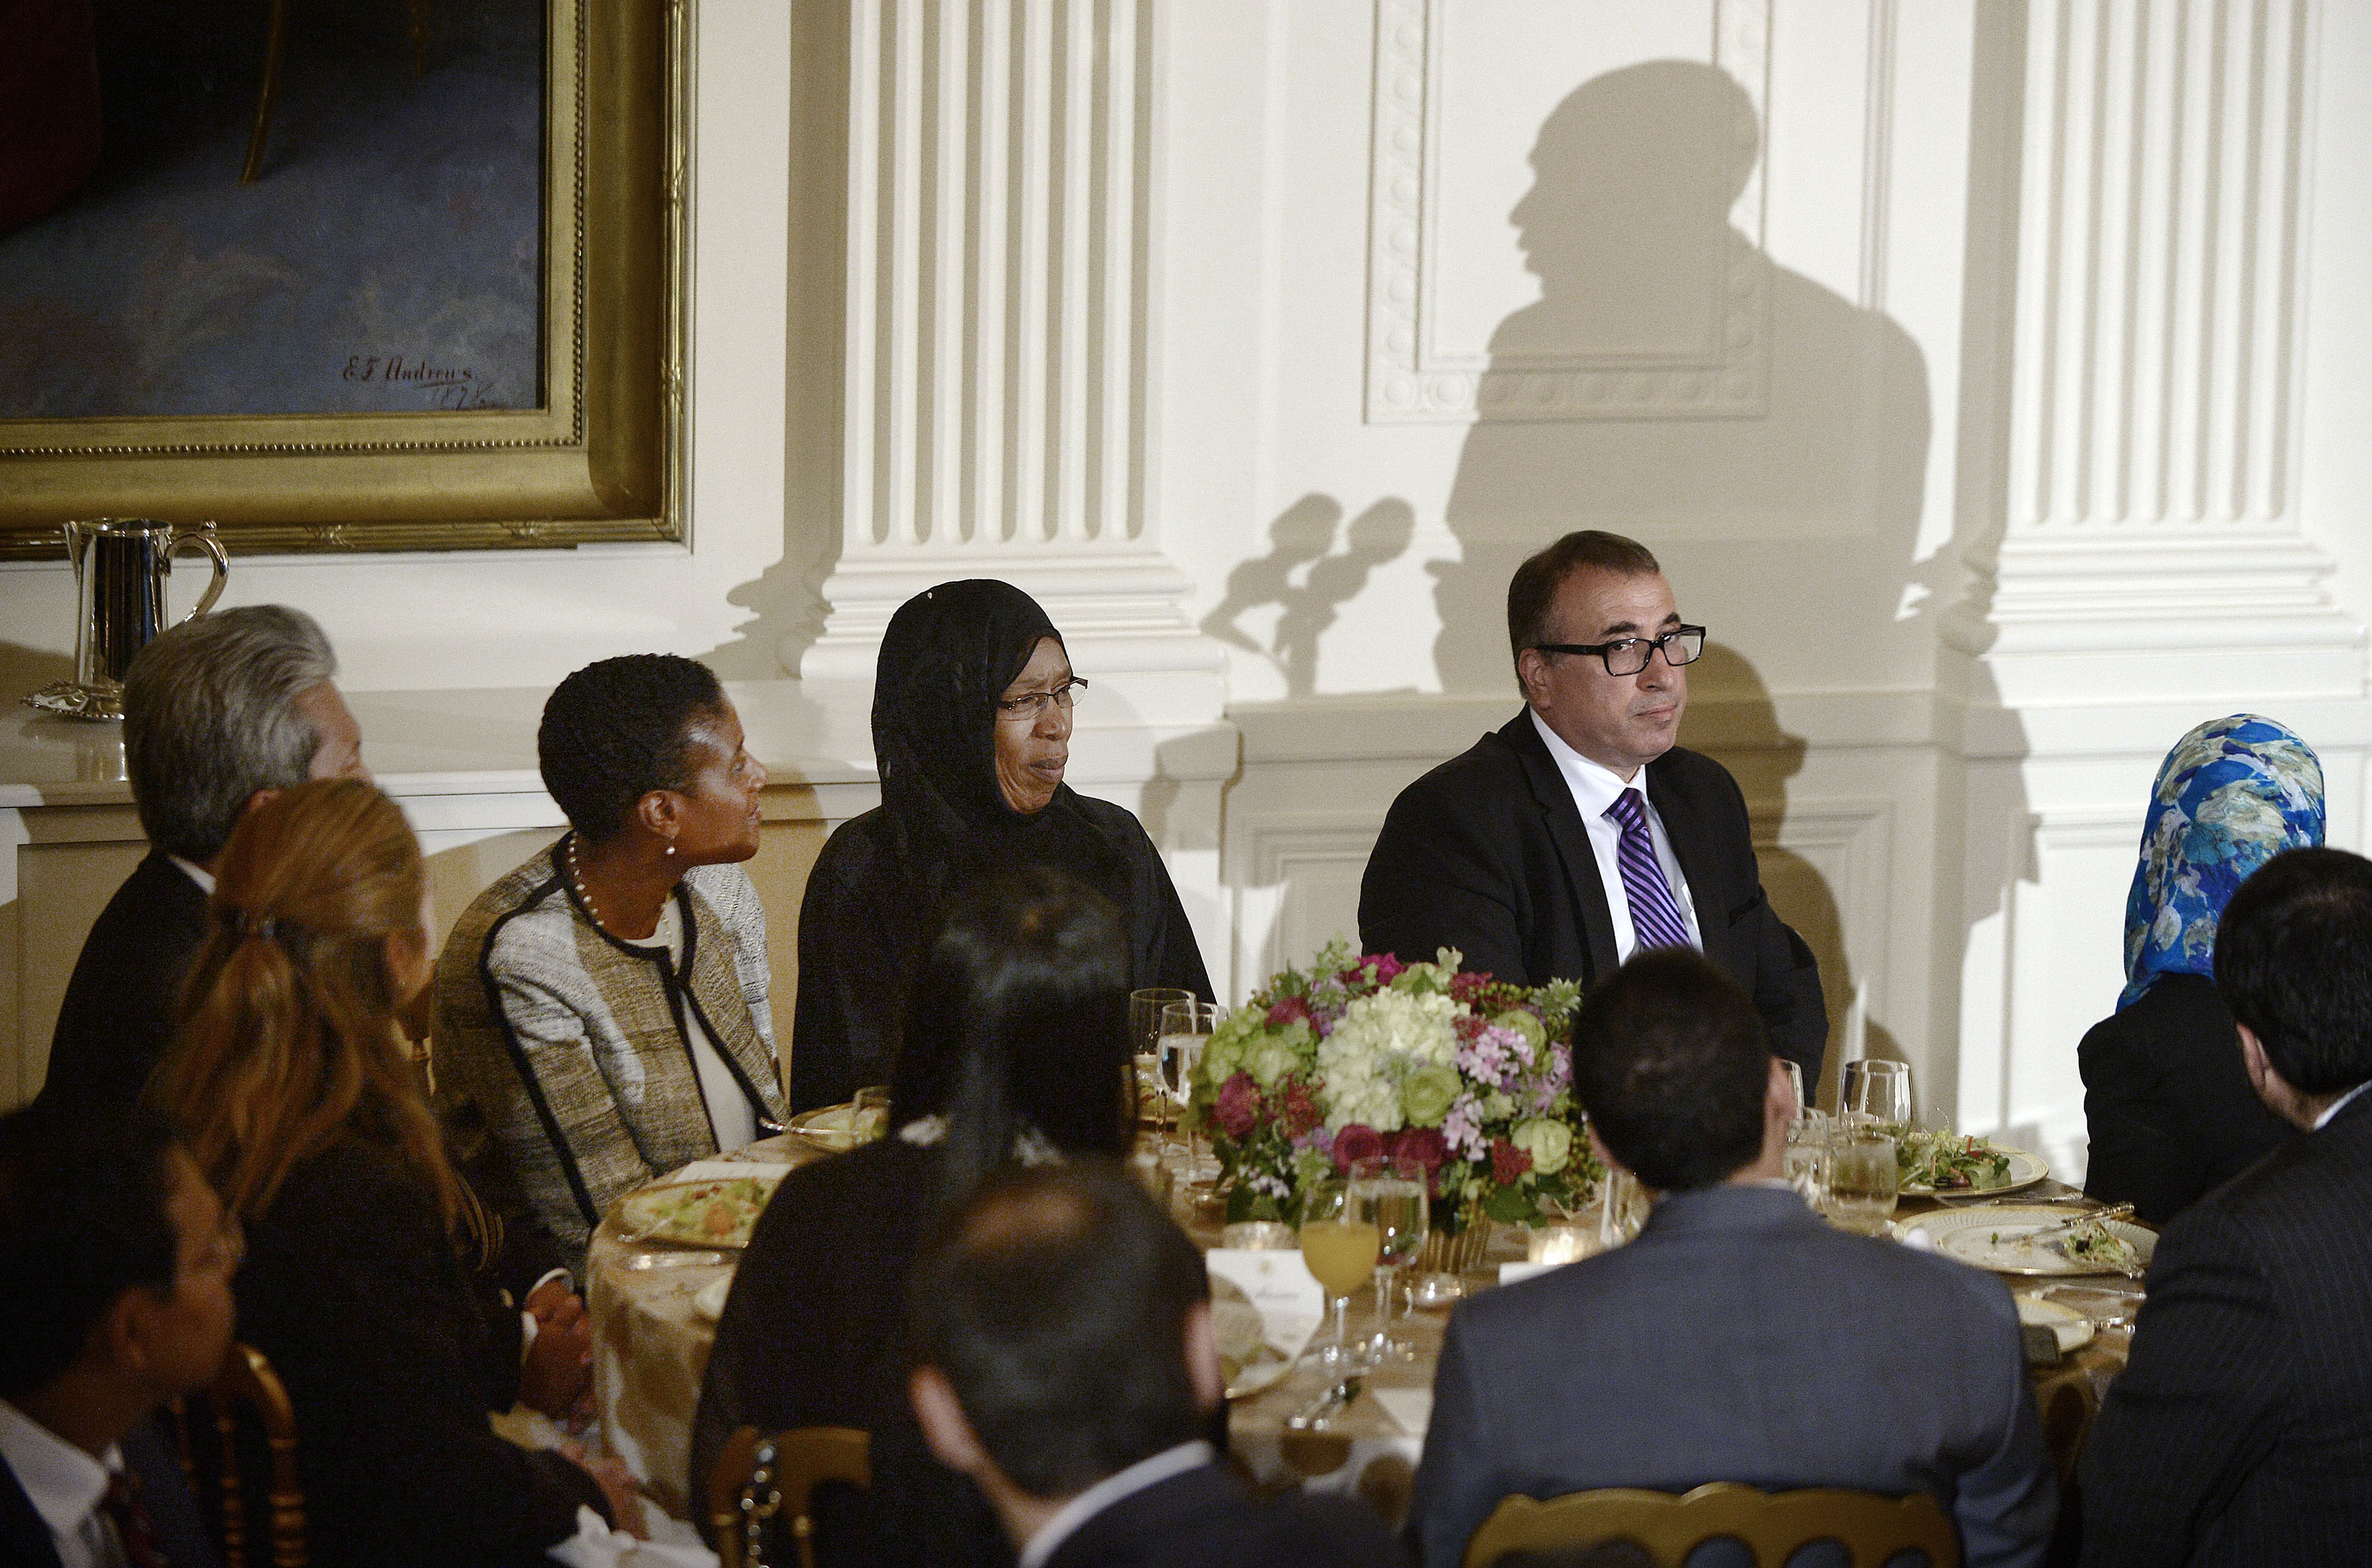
1341	1250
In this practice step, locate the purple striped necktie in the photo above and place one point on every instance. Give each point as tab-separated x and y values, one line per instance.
1655	917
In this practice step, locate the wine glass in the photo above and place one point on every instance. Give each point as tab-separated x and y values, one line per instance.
1341	1250
1389	1193
1185	1029
1877	1090
1145	1031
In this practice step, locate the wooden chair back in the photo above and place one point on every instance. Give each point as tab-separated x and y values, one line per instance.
757	1479
247	1379
1773	1524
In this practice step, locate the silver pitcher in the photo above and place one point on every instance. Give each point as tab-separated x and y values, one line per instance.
120	565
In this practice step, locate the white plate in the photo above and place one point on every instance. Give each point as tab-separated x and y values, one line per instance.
2074	1329
709	1301
1992	1236
2025	1170
1259	1351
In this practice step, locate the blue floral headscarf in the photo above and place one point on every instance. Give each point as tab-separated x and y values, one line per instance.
2232	794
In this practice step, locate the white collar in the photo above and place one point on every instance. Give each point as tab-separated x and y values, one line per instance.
2335	1107
62	1482
1111	1490
1594	785
195	873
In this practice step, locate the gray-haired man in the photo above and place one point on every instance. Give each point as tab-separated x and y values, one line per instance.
218	713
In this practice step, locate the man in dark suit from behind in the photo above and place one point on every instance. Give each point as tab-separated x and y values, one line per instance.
1740	1338
1066	1362
2240	1431
118	1262
1579	832
218	713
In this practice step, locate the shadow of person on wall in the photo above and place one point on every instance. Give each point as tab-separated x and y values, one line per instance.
1303	535
1732	718
1650	295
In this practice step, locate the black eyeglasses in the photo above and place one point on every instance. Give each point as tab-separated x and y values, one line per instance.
1032	705
1628	655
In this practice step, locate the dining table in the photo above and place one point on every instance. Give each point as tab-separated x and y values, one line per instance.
653	1306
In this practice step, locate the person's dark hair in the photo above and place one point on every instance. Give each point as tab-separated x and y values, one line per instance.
1532	591
2294	962
1670	1060
1055	1303
614	731
1017	1021
83	1219
209	717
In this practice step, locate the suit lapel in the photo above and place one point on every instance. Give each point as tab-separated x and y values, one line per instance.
1685	825
1554	799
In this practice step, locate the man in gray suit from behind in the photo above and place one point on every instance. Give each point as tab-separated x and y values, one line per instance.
1740	1338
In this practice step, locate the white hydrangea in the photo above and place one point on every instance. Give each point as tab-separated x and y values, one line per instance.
1372	1049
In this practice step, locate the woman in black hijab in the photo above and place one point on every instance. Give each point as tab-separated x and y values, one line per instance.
971	728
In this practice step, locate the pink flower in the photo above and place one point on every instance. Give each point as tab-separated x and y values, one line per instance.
1508	1163
1297	1105
1239	1106
1355	1142
1388	967
1425	1146
1292	1010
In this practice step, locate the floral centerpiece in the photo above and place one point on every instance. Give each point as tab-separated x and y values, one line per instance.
1469	1076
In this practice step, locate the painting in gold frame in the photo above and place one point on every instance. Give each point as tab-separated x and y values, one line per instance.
600	459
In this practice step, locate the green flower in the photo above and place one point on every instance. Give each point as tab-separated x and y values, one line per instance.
1549	1143
1271	1058
1427	1092
1519	1020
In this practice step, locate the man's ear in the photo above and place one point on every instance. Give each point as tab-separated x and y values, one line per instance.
2253	1060
258	798
1203	1369
1532	669
121	1334
945	1426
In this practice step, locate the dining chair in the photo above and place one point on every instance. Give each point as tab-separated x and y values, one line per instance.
247	1380
758	1478
1773	1525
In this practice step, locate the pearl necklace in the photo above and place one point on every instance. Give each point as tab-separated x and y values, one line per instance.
576	881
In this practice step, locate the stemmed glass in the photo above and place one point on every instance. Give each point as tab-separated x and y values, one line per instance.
1389	1194
1879	1091
1341	1250
1144	1029
1185	1029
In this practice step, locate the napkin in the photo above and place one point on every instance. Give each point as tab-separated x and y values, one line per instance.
1410	1408
728	1170
596	1545
1280	1287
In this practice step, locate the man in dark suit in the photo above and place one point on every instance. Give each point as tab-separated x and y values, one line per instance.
1536	855
1740	1338
119	1261
1066	1362
2240	1431
218	713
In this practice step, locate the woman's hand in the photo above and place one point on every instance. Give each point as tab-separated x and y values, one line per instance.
617	1485
558	1371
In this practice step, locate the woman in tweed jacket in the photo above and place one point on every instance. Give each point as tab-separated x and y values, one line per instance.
602	1011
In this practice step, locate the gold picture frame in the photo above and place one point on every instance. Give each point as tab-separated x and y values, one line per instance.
601	460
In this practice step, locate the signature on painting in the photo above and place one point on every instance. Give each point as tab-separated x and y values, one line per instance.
441	387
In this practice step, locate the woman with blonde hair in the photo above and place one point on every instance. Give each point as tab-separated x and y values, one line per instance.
364	1282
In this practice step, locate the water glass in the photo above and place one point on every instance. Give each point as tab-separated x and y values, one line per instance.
1795	1087
1145	1030
869	1117
1185	1029
1879	1090
1807	1159
1624	1208
1863	1178
1390	1194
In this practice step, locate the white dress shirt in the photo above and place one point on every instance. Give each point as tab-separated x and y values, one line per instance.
1594	789
64	1486
195	873
2335	1107
1112	1489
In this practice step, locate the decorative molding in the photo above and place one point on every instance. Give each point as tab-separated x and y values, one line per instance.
2155	376
1288	851
1409	382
